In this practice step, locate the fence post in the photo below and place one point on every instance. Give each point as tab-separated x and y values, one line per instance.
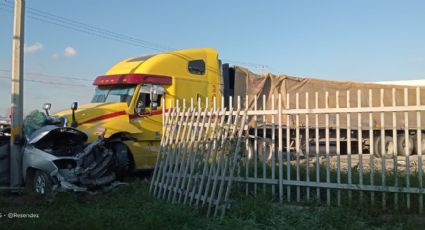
395	141
407	147
297	145
349	145
265	155
328	173
338	149
273	148
307	147
383	152
317	145
359	142
255	144
280	149
419	147
288	147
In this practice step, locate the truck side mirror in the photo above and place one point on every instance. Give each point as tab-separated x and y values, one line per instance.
154	96
154	99
47	107
74	106
154	105
140	107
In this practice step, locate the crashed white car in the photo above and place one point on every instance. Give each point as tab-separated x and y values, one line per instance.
57	158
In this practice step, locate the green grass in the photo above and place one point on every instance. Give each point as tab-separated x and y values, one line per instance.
365	201
132	207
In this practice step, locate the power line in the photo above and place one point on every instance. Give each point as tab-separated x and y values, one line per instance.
50	75
83	31
49	82
84	28
67	20
71	24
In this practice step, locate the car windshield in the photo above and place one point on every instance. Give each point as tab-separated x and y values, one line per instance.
113	94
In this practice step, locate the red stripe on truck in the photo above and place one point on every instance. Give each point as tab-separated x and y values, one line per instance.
120	113
105	116
145	114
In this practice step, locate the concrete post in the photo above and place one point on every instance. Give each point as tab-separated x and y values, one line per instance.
17	95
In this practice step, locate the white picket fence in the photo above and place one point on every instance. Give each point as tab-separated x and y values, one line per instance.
299	154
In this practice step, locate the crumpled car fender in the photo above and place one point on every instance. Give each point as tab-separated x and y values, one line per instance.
64	154
35	158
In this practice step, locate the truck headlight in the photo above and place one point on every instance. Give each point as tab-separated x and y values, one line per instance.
100	131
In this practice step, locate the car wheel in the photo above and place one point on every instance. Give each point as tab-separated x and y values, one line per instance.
41	184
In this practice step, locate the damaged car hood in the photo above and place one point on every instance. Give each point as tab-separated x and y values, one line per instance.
62	153
52	132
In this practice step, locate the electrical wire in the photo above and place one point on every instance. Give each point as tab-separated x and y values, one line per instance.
84	28
48	82
77	26
50	75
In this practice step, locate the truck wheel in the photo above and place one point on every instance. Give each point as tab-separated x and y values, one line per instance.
123	163
415	143
41	184
401	145
261	153
389	147
250	150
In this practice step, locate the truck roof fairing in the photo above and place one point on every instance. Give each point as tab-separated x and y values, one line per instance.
132	79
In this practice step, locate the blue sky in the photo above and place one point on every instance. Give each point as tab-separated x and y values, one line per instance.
343	40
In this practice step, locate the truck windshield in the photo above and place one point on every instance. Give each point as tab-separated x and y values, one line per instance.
113	94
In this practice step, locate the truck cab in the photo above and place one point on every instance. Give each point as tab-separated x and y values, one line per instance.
128	100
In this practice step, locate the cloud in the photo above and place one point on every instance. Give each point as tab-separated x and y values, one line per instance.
69	52
56	56
34	48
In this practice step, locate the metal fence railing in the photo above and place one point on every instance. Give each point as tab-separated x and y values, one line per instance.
369	152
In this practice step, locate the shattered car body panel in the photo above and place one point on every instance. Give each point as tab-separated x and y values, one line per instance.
48	132
4	128
61	152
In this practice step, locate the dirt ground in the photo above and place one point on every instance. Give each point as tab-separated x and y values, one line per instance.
400	162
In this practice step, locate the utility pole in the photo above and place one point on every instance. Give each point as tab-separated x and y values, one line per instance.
17	94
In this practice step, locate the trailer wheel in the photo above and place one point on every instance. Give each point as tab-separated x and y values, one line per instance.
250	150
389	147
415	143
40	184
123	161
264	152
401	145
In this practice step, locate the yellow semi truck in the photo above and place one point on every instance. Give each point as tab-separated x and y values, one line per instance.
127	101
